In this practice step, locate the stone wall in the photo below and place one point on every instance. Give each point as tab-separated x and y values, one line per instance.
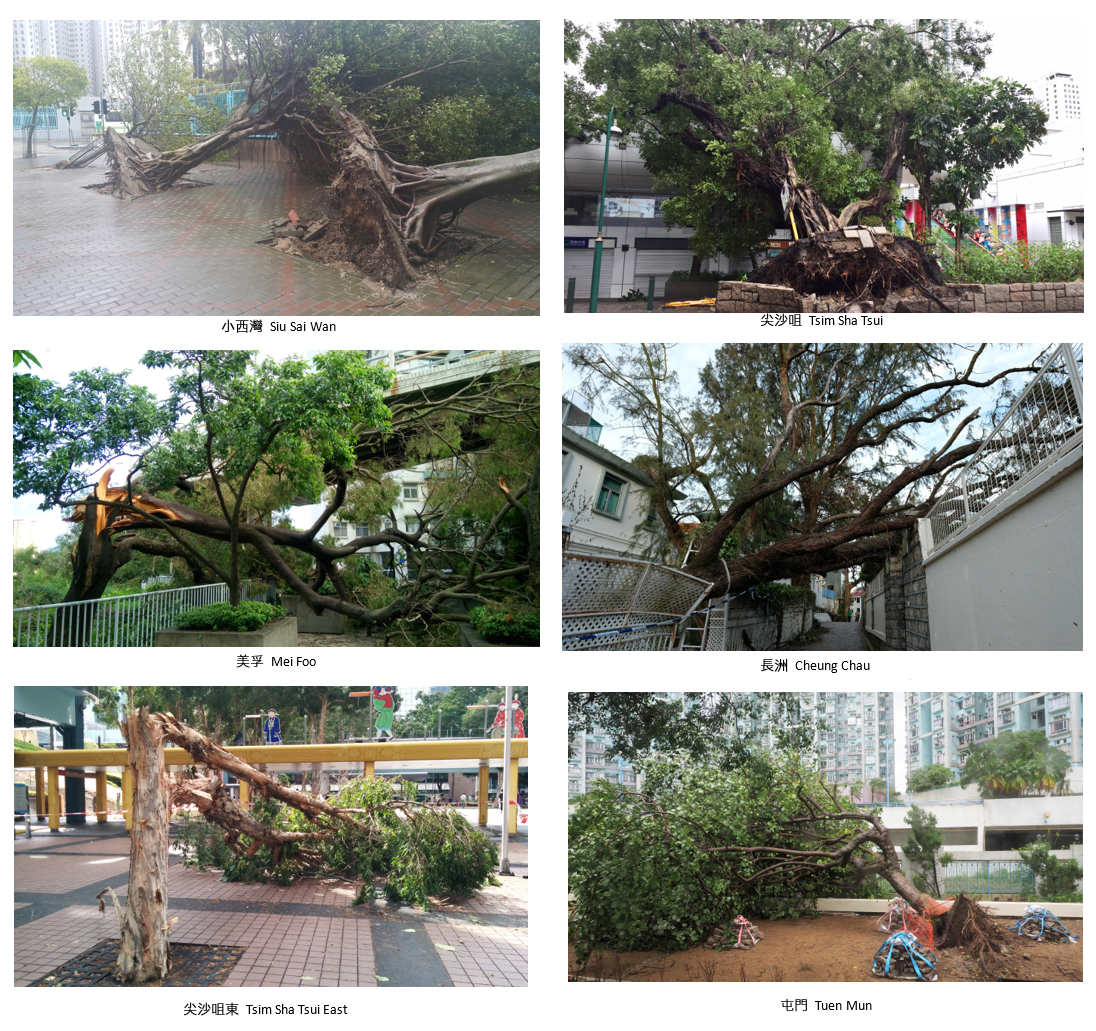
963	297
751	627
906	594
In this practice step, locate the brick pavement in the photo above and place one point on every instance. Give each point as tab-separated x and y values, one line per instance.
305	935
193	252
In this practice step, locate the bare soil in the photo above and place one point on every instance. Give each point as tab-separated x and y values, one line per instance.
828	948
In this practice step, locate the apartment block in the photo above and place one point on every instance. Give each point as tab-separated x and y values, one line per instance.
944	725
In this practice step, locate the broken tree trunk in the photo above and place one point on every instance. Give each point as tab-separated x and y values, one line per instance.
137	169
145	953
394	214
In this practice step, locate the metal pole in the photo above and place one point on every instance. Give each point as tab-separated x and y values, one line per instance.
601	216
887	742
570	295
651	294
504	853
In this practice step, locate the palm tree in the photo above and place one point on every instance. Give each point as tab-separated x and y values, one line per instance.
1016	764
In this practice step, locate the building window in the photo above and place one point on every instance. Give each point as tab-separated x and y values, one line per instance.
410	493
340	530
361	530
610	496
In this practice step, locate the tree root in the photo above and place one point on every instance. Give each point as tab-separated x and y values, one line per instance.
968	926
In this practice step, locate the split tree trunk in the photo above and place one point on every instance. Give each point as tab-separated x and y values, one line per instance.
145	953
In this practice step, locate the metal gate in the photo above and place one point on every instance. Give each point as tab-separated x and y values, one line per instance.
660	264
579	265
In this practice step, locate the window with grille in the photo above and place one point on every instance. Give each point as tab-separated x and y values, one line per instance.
609	496
340	529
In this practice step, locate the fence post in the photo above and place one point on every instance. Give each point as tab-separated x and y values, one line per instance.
570	295
651	294
1075	378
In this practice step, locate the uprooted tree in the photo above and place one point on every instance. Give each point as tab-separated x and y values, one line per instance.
762	123
436	851
800	459
362	104
661	867
240	441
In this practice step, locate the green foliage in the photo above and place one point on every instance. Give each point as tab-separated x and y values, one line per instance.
1021	762
1020	263
26	746
248	615
46	82
152	85
430	852
25	358
635	869
929	777
684	276
924	842
783	595
500	624
1055	876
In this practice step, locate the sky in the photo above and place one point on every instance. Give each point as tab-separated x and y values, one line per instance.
688	360
1029	48
58	363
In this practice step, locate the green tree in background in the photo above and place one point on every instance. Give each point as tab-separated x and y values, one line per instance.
929	777
43	82
1018	763
924	842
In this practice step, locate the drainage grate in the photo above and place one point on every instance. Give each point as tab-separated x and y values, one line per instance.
203	966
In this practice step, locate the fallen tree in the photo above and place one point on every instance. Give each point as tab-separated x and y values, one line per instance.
430	851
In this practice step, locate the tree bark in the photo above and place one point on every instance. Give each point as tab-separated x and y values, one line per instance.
394	214
145	953
137	169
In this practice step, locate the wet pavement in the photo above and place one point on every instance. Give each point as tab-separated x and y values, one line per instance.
194	252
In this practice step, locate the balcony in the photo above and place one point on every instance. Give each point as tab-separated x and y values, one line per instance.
938	724
1005	698
1059	726
1008	718
1058	701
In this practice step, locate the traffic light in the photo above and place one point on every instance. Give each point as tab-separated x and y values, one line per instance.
64	112
95	107
104	108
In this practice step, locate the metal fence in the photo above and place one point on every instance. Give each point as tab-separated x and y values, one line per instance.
875	606
988	876
124	621
607	594
1044	421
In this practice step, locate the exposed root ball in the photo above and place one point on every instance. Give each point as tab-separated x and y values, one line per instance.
838	264
968	926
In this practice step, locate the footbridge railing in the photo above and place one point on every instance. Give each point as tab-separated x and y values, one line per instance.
1044	422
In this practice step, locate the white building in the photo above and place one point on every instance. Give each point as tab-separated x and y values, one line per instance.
25	534
605	511
1060	96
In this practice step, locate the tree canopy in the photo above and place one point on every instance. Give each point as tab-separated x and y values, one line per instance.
46	82
725	112
804	458
929	777
215	466
1018	763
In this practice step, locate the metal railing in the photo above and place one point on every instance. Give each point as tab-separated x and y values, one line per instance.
124	621
988	876
1044	421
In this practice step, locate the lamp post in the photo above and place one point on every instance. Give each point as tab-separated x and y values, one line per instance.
887	741
601	215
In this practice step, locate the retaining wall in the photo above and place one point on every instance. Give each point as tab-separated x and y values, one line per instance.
749	627
963	297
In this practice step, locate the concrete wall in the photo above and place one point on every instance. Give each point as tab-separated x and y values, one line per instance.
763	631
1012	580
962	297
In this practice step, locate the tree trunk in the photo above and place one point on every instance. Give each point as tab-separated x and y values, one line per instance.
138	169
393	214
145	954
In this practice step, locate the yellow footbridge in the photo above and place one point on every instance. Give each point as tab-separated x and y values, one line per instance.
79	762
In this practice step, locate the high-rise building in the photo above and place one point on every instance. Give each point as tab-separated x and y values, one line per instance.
945	31
25	534
1060	96
852	731
944	725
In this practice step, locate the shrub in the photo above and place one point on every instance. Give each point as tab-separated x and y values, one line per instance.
249	615
683	276
502	625
1023	263
1056	876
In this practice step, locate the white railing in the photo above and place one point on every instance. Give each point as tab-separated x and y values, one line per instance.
1044	421
124	621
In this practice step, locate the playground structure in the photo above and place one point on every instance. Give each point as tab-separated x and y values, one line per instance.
393	757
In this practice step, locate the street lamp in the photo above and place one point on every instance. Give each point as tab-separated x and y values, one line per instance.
887	741
601	216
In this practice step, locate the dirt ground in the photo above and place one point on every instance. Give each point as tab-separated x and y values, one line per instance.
827	948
